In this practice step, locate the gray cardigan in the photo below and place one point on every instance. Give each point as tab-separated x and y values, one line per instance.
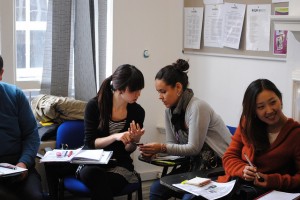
204	125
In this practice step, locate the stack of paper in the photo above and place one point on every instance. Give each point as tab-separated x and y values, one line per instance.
197	181
7	169
212	190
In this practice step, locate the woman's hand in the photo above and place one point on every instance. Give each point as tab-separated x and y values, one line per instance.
249	173
135	132
124	137
261	183
150	148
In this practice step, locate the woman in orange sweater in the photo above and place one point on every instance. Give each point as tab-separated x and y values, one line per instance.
268	138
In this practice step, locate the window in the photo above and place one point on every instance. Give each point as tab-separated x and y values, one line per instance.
31	19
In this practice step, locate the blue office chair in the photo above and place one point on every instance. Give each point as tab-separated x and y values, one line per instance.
71	133
231	129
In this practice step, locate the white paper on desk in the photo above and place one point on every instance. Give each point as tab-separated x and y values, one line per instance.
233	24
89	154
213	25
105	157
258	27
193	18
213	190
279	195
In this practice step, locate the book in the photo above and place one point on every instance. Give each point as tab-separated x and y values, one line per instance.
197	181
274	194
78	156
7	169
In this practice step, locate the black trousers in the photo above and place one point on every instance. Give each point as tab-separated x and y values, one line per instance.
54	172
29	188
103	185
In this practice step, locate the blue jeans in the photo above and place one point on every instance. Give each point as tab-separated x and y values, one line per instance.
188	196
160	192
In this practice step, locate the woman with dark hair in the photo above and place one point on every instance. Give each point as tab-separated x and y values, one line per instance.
114	122
193	129
270	141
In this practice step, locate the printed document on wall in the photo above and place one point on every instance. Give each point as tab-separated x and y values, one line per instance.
233	24
193	18
258	27
213	26
206	2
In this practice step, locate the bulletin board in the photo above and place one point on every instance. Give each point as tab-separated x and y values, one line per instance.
241	52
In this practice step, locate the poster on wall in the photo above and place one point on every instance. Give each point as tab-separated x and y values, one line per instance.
193	27
258	27
280	36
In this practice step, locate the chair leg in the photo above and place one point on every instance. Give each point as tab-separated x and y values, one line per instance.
129	196
140	193
61	189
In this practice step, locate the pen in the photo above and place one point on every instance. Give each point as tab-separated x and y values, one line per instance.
8	166
260	179
66	153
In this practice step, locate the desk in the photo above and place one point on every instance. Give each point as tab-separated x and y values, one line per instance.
168	181
171	163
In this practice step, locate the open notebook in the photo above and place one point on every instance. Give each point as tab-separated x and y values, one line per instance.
78	156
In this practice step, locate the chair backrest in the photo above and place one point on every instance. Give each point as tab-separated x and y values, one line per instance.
70	133
231	129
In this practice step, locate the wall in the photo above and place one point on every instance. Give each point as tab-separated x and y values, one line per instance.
158	26
7	42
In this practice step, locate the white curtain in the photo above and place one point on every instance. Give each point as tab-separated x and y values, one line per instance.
70	54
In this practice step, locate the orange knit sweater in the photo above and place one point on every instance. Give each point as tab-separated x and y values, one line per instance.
281	162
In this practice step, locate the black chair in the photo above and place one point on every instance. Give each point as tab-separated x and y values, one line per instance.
71	133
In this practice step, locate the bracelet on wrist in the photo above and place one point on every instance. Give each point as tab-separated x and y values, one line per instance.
163	148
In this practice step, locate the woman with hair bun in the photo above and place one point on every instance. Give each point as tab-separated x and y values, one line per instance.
193	128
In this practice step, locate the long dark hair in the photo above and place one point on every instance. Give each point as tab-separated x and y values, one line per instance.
172	74
253	128
1	62
125	76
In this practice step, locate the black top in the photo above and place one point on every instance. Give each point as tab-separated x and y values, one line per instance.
91	121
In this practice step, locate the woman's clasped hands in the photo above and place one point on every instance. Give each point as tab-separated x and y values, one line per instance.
133	135
250	174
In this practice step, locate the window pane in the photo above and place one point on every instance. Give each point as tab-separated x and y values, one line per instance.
37	45
38	10
20	10
21	59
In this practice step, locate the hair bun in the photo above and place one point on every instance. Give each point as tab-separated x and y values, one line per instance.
181	65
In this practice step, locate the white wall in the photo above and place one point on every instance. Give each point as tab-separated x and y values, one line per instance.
7	43
158	26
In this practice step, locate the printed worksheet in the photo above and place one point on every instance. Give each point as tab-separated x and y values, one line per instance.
211	191
233	24
213	25
258	27
193	18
